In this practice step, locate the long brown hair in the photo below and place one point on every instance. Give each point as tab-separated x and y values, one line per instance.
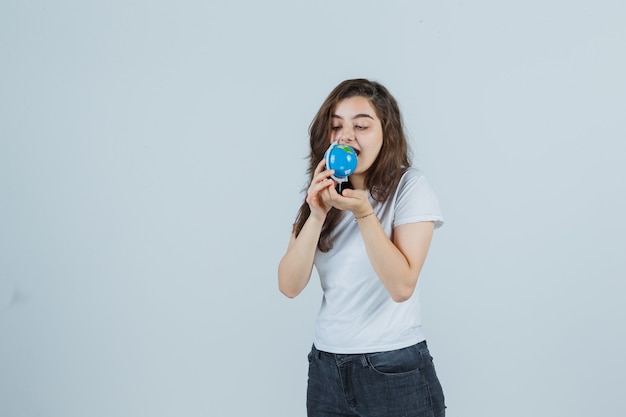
383	176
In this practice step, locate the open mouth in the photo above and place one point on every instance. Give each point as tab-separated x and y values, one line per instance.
358	152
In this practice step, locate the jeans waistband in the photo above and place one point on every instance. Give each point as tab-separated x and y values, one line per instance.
348	357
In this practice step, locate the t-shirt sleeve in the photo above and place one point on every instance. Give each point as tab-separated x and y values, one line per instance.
416	201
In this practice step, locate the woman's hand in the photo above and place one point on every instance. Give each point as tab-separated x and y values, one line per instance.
322	195
318	195
355	201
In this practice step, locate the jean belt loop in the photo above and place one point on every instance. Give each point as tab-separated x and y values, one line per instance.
364	361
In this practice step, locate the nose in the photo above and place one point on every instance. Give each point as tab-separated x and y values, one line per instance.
347	135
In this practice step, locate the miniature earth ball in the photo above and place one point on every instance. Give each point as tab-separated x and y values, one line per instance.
342	159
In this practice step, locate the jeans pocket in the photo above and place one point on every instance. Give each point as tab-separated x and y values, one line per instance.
395	362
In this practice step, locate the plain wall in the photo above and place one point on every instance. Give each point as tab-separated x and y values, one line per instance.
151	159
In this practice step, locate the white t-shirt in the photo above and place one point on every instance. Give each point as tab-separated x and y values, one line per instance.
357	314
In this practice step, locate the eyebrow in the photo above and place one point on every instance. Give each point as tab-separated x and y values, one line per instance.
358	116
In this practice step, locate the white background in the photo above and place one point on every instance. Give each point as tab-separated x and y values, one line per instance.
151	159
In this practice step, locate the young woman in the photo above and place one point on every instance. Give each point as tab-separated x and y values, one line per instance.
368	244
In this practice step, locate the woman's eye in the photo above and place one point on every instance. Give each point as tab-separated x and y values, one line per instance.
336	127
361	127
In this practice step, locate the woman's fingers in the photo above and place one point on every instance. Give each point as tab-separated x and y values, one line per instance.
352	200
321	171
320	167
321	194
317	194
320	178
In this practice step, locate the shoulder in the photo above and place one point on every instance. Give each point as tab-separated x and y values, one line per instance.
410	177
415	200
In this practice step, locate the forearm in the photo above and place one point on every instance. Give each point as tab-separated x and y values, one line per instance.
397	270
294	269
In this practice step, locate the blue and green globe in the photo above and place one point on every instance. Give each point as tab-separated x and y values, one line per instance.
341	158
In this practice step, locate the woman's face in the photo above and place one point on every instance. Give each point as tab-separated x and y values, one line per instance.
355	123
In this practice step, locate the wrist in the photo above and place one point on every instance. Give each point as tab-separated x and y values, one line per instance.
363	216
363	211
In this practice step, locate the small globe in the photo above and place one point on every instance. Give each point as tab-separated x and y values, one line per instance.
342	159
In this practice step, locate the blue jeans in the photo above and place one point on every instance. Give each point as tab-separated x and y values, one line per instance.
397	383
